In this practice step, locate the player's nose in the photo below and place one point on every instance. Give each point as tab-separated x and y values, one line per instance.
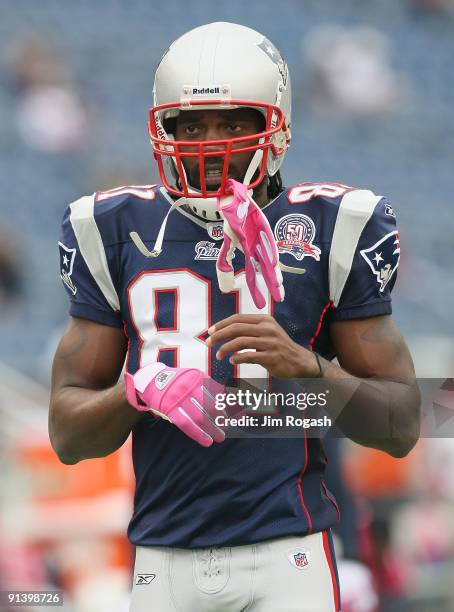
213	132
215	148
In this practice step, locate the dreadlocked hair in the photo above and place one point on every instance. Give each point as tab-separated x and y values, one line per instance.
275	186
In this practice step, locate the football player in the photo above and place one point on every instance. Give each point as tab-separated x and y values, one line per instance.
227	524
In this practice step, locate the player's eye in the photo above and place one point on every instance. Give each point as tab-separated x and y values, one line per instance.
233	128
192	130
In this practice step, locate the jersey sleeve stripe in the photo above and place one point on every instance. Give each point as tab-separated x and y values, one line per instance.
92	248
355	210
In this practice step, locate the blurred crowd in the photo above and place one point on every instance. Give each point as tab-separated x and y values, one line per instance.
373	106
50	115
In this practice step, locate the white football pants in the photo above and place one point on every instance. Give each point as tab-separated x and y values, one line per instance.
291	574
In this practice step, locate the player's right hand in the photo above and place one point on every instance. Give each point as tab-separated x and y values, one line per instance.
183	396
246	227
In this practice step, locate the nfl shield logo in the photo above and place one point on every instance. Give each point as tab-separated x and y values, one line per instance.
301	559
215	230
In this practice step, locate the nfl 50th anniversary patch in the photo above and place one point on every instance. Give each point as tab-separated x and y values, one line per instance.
295	234
67	256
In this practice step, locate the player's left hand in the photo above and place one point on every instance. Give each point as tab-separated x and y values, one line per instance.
264	342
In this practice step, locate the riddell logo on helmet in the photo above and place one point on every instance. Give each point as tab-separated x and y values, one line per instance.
203	91
160	130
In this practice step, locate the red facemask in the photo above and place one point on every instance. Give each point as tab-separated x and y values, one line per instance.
274	137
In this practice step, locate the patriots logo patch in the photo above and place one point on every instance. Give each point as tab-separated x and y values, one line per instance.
383	258
67	256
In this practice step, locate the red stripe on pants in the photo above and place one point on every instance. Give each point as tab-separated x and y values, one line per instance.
329	559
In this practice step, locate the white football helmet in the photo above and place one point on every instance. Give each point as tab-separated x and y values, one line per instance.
220	66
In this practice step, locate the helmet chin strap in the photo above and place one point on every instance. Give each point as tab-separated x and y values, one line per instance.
157	249
253	166
198	205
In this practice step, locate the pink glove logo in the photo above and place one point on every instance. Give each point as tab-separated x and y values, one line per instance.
161	380
246	227
184	396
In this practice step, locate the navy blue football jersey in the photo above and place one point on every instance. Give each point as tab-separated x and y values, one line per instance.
242	490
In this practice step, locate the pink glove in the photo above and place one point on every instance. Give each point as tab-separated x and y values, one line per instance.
246	227
183	396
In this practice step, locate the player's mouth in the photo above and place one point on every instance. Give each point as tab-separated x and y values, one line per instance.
214	170
213	176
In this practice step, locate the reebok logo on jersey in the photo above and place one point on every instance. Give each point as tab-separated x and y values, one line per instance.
67	256
162	379
389	211
299	558
145	578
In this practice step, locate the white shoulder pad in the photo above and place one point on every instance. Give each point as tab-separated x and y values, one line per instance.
92	248
355	210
